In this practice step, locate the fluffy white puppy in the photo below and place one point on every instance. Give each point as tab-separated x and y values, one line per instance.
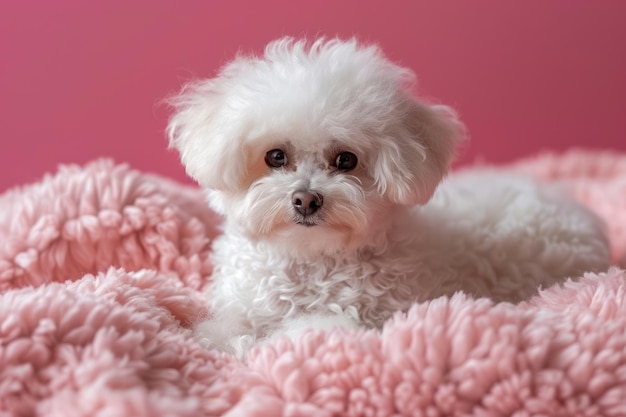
323	162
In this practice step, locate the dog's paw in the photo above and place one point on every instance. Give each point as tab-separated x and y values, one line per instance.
224	335
296	326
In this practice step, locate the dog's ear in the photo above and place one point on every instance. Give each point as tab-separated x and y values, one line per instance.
418	154
205	131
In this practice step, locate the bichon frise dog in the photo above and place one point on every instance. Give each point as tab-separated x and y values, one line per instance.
327	171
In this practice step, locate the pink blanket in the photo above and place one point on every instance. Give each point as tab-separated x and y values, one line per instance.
100	272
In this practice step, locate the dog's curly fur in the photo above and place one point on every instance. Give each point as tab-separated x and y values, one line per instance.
324	165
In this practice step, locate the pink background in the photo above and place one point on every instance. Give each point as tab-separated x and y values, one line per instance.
83	79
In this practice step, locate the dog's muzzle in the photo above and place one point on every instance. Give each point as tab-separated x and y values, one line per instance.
306	203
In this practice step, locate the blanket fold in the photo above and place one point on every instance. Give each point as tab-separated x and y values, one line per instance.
101	277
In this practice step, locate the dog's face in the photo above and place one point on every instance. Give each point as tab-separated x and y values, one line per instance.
312	147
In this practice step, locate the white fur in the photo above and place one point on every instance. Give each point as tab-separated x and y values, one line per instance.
376	246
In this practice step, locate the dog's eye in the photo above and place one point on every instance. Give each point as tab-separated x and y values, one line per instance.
346	161
275	158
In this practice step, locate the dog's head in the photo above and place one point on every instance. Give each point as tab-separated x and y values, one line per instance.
312	145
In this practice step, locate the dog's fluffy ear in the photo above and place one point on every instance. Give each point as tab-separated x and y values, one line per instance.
420	153
204	130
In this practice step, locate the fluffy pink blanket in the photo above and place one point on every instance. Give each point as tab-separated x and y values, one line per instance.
101	269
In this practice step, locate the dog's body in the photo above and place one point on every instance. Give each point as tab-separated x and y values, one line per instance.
323	165
503	241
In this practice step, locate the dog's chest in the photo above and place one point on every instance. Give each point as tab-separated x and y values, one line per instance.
270	286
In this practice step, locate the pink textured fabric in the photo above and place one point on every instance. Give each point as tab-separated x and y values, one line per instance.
101	269
84	220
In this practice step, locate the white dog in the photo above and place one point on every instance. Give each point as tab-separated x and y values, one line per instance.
324	166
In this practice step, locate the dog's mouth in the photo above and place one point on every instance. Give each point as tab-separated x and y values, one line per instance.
306	222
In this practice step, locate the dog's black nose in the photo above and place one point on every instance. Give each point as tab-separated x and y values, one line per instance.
306	202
